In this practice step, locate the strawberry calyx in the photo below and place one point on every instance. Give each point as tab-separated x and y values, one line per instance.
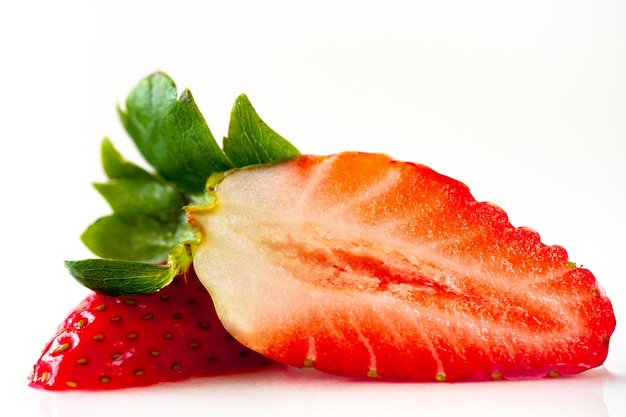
146	241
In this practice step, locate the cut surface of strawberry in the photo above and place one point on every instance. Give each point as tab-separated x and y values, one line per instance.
128	341
360	265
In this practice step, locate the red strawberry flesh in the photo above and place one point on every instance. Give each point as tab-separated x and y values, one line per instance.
120	342
360	265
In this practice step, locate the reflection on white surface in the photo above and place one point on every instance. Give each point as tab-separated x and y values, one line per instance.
281	391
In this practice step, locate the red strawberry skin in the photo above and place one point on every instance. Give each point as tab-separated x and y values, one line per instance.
389	269
129	341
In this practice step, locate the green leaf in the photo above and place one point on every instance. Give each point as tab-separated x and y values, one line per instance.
171	133
251	141
117	277
145	195
135	237
148	225
115	166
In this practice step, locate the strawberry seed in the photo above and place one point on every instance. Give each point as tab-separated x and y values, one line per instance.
61	348
98	337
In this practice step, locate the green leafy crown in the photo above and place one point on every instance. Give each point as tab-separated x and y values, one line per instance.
147	240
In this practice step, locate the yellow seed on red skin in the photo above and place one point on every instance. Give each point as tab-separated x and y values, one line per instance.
155	353
61	348
105	379
98	337
82	361
372	373
71	384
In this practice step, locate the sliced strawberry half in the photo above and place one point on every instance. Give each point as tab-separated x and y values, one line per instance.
128	341
359	265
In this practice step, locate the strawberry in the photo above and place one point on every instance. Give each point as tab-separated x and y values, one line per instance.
125	341
354	264
380	268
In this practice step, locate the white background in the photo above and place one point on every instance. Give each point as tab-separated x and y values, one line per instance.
523	101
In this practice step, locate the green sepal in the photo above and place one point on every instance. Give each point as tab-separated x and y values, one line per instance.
117	277
135	237
171	133
115	166
121	277
144	195
250	140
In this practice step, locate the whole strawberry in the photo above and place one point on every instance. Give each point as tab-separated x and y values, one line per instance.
126	341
